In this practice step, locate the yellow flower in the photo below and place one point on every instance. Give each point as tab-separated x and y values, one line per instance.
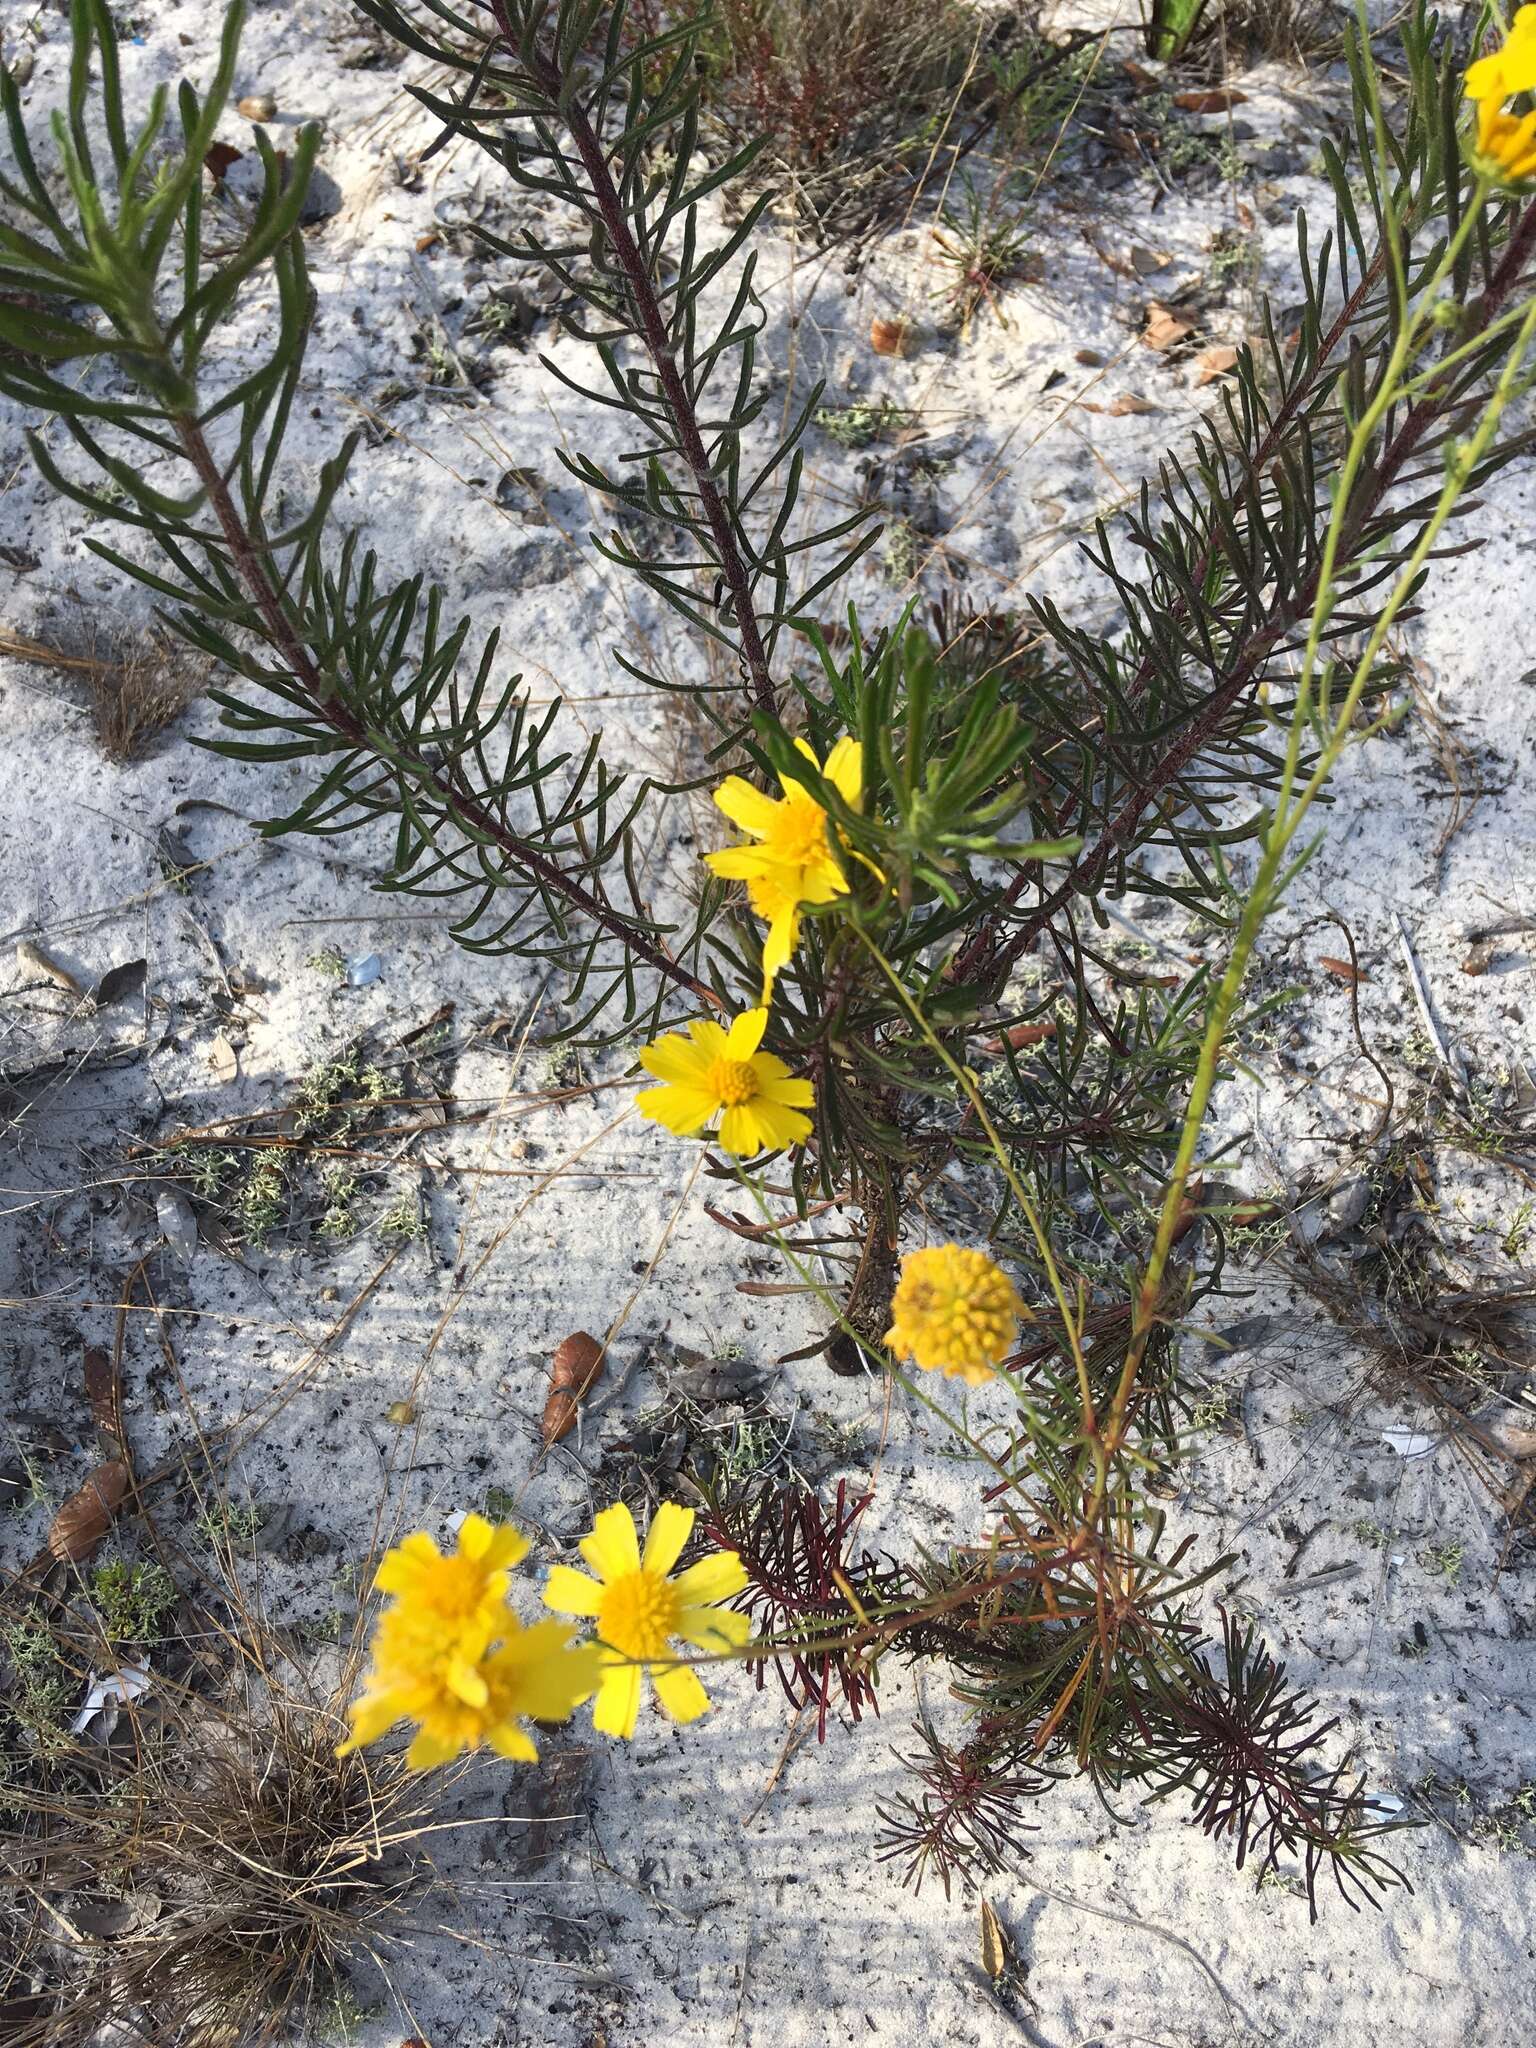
1507	142
1509	69
954	1311
793	863
432	1657
639	1612
721	1073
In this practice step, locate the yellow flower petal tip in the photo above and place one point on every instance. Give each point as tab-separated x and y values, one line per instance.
1505	144
641	1608
793	862
719	1077
449	1654
954	1311
1509	69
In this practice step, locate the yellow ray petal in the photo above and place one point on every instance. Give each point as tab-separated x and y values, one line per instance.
681	1695
715	1577
675	1058
707	1036
508	1740
429	1750
613	1548
569	1591
618	1701
671	1526
740	1132
845	771
746	1034
714	1628
682	1110
745	806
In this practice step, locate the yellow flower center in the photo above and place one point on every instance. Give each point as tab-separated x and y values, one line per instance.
799	836
732	1082
639	1615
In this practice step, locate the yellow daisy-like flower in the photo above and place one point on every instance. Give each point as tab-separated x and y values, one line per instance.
713	1072
432	1660
954	1311
793	863
1509	69
639	1612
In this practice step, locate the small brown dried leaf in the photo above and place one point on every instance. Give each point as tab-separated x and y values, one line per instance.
575	1368
1216	100
218	159
1164	328
1481	957
994	1942
31	959
890	337
224	1060
103	1392
89	1513
1341	969
1127	405
1021	1034
1212	363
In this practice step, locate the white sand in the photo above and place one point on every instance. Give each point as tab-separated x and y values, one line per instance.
697	1907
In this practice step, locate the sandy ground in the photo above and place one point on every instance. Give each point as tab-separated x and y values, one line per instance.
716	1890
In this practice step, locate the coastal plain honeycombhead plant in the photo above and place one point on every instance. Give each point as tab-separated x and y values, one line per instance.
841	1010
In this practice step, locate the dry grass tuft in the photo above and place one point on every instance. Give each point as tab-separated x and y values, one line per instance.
850	94
135	683
204	1878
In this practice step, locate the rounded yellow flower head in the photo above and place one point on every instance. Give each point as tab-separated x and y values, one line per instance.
793	862
640	1612
954	1311
450	1655
713	1072
1509	69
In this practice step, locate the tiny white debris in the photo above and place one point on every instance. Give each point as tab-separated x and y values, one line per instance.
1408	1443
105	1694
366	968
174	1213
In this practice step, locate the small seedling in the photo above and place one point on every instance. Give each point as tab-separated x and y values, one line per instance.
232	1524
1444	1560
856	426
131	1601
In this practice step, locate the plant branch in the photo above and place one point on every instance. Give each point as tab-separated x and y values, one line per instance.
251	566
1090	867
653	332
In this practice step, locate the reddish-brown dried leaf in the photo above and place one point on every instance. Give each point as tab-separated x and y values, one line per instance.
576	1367
103	1392
1216	100
1341	968
1021	1034
218	159
890	337
88	1513
1189	1210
